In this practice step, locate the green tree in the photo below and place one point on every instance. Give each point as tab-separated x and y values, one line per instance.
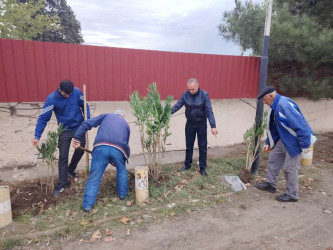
70	27
23	20
301	43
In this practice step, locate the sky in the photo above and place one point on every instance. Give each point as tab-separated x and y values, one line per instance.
167	25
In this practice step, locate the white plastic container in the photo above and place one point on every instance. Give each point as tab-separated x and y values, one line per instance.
5	207
306	159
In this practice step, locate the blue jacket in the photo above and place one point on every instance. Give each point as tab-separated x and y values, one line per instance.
113	131
285	121
198	107
68	111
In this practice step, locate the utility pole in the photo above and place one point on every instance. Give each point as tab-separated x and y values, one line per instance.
262	80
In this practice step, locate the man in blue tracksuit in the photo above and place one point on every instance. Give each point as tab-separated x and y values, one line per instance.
110	146
288	135
198	110
68	106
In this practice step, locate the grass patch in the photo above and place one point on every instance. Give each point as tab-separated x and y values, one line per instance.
9	243
174	194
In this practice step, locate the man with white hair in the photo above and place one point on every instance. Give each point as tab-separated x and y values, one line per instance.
110	146
197	110
288	135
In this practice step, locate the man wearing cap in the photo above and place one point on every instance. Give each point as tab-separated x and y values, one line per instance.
198	110
68	106
288	135
110	146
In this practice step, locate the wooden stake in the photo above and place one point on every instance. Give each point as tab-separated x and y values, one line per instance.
87	139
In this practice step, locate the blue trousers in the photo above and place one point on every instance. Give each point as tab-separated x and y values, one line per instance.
191	131
101	157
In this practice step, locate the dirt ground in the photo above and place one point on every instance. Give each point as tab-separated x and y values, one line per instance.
252	219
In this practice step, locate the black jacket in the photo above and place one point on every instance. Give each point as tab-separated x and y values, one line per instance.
198	107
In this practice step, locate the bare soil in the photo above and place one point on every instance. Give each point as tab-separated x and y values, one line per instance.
252	219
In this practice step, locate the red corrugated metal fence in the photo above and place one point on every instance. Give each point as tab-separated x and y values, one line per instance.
30	70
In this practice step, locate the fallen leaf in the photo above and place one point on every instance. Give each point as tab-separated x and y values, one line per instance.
171	205
327	211
93	211
188	211
96	236
108	239
323	192
166	193
128	203
84	223
41	208
183	181
68	212
172	214
125	220
179	187
114	199
128	232
108	232
176	173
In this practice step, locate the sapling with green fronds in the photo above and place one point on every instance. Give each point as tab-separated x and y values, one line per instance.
152	118
47	152
249	139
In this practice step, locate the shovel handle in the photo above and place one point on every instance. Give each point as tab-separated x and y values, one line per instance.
84	149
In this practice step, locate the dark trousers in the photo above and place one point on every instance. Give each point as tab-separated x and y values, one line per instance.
64	143
191	131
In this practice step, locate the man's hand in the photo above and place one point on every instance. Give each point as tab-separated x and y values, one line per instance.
266	148
306	150
76	143
34	142
214	131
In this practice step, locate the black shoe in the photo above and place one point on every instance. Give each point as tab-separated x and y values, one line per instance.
185	168
73	176
58	191
266	186
203	172
285	198
86	210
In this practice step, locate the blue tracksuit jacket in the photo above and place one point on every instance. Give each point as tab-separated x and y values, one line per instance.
113	131
285	121
68	111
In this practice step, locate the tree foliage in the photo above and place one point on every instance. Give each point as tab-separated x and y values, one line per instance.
301	42
152	118
70	28
24	20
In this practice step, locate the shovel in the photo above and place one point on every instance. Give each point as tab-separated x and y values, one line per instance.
84	149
